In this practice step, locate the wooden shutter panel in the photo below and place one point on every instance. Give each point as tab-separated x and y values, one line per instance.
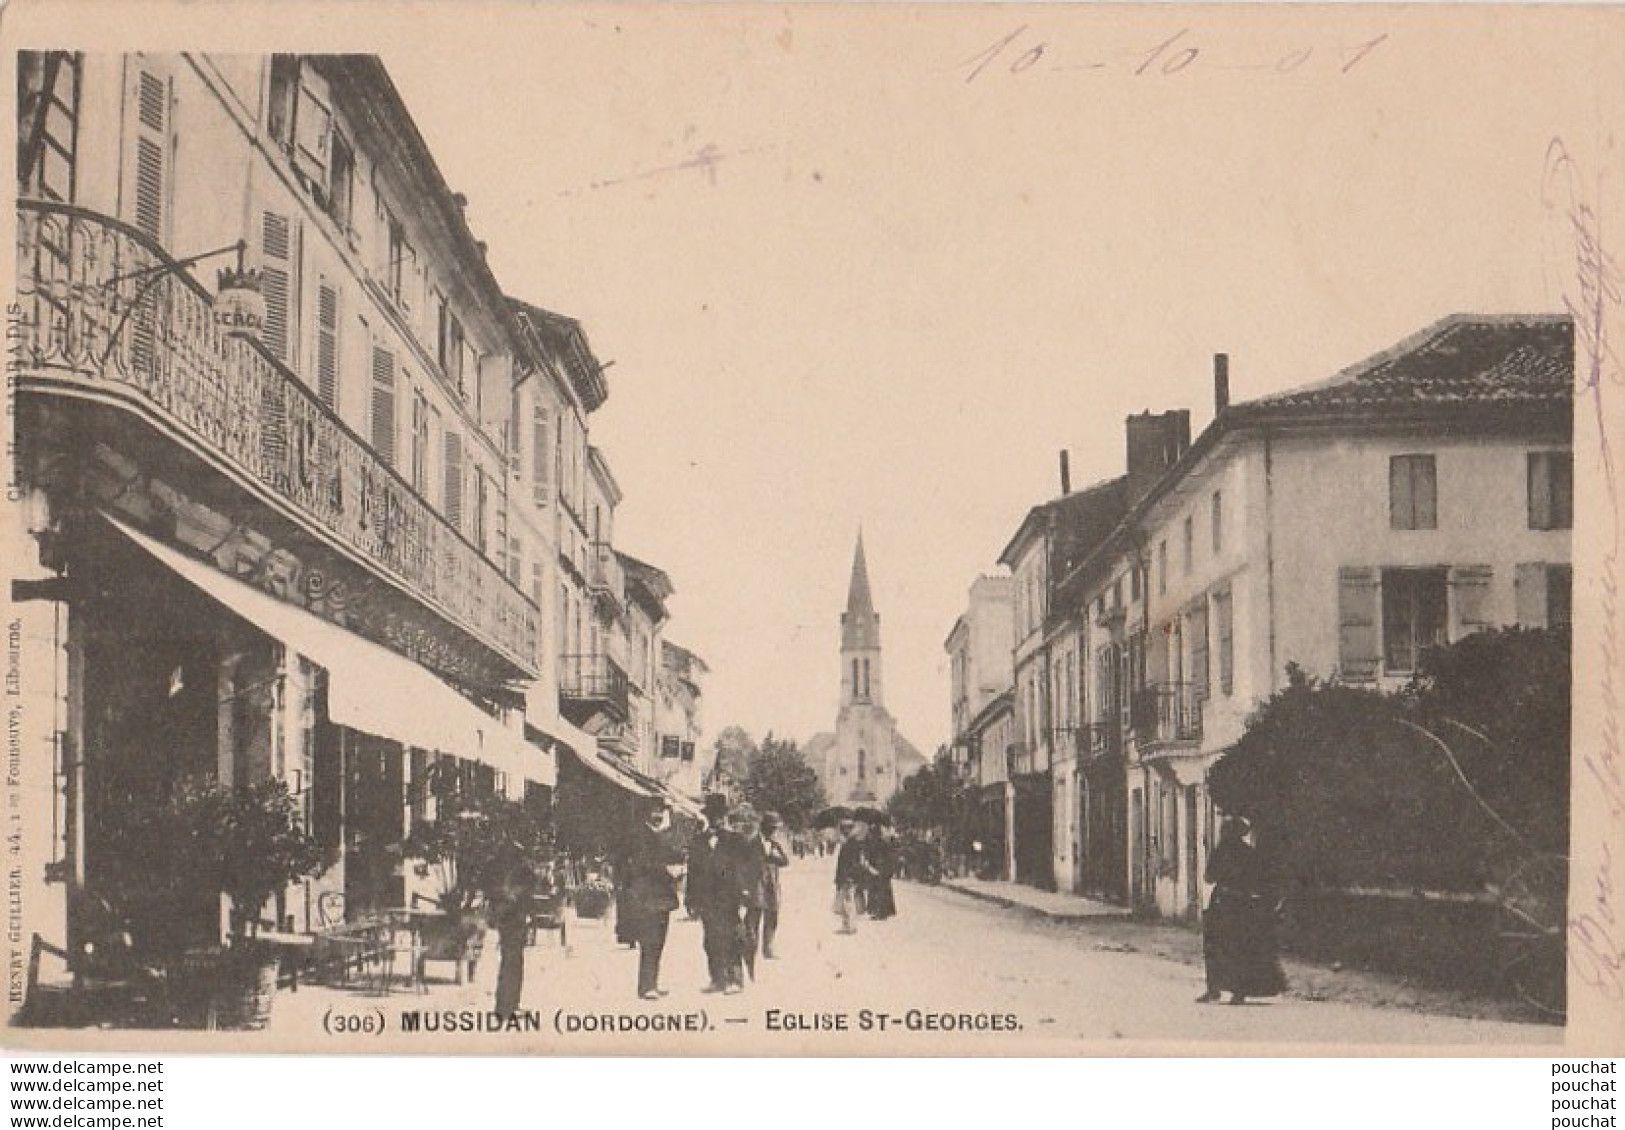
1470	598
327	344
541	454
383	404
1357	623
151	153
1529	594
278	246
312	126
454	479
1540	491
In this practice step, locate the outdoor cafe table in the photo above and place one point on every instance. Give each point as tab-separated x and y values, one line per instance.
295	947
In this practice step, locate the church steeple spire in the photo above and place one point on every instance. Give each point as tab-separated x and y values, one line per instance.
860	637
860	623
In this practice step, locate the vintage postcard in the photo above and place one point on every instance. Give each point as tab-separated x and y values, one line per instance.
814	529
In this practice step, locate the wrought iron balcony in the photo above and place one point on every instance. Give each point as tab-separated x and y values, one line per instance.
105	312
606	577
1164	713
593	685
1099	739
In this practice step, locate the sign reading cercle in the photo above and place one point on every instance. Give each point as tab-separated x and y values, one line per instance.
239	310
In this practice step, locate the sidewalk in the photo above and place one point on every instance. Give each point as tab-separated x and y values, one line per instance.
1114	928
1051	904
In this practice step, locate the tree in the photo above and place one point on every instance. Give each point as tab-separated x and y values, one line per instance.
933	803
470	842
730	758
778	779
1450	784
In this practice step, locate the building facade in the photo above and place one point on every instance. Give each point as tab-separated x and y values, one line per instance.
1447	461
298	481
980	674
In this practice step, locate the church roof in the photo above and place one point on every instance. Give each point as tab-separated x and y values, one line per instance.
860	623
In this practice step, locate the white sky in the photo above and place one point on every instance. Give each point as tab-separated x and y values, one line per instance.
840	284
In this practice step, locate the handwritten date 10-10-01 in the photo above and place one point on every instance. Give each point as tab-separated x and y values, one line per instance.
1021	52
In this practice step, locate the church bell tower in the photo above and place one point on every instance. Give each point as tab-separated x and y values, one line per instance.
860	639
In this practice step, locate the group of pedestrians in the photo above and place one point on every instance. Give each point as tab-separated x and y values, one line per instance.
730	878
864	866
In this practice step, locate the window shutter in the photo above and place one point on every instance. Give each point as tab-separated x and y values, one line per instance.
454	479
383	404
278	255
1425	485
1357	623
312	126
1470	598
327	344
1540	491
1529	591
1199	650
152	97
541	454
1224	611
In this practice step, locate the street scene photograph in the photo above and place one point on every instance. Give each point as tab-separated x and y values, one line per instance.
815	530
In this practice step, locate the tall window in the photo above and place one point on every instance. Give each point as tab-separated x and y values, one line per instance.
327	343
1218	523
1162	567
1413	493
1190	544
48	116
1551	490
863	764
420	443
1413	615
454	479
383	404
399	252
1224	624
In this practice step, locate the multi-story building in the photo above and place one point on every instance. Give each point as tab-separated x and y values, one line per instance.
980	673
978	650
1051	539
1447	461
990	740
679	728
269	526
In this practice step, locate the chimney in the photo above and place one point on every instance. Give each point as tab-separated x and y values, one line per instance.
1155	443
1221	383
1066	474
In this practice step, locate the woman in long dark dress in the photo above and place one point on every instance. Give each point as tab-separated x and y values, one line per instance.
882	850
1238	928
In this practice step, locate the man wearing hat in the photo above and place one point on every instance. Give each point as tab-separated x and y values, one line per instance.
774	858
745	864
654	863
714	897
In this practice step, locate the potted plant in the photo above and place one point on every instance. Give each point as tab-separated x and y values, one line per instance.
463	849
172	856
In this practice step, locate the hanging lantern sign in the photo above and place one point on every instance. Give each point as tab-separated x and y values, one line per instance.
239	305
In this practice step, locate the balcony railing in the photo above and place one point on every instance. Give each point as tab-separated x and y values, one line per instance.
104	310
1102	738
594	683
1168	712
606	578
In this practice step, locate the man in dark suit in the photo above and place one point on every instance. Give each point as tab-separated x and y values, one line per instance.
654	861
715	898
745	863
774	857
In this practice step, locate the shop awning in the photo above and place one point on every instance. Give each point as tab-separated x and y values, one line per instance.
369	688
613	772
